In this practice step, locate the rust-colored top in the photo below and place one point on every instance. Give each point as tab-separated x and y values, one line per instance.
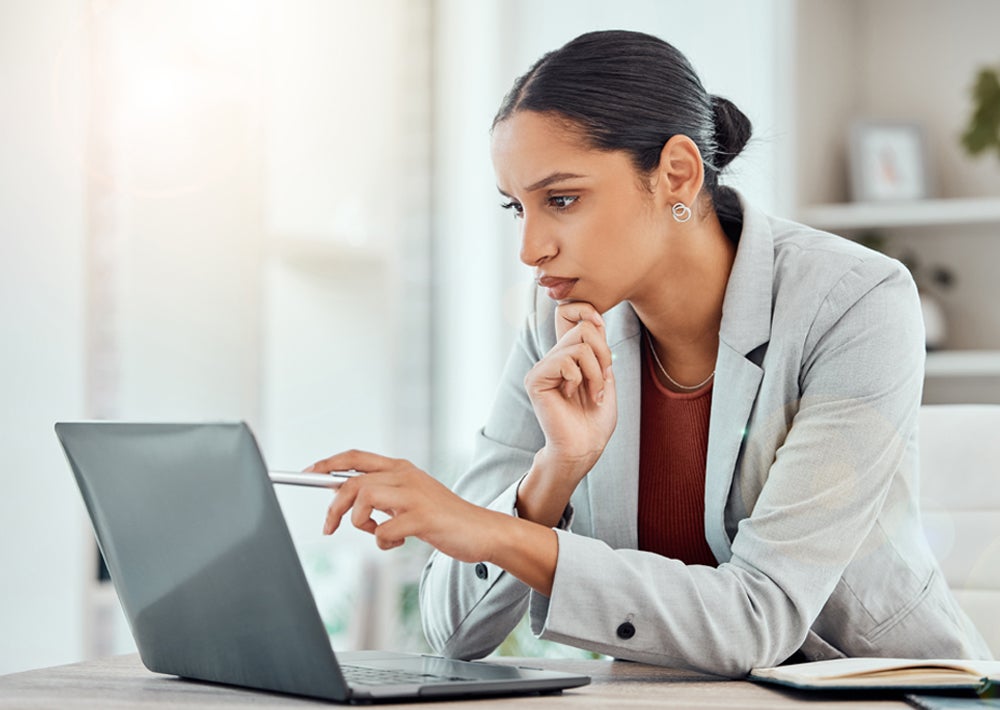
672	450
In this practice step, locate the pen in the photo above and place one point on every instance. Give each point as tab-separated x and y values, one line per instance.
333	479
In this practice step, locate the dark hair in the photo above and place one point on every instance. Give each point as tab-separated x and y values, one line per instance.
632	91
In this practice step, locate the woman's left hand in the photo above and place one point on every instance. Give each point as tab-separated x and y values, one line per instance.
416	503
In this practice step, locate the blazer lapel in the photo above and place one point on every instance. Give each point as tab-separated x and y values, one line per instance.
613	484
746	326
736	383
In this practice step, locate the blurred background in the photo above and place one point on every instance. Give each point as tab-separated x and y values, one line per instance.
283	211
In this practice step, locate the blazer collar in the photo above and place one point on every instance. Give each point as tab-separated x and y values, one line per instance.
746	307
746	326
613	484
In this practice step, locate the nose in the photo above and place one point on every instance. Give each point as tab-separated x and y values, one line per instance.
537	245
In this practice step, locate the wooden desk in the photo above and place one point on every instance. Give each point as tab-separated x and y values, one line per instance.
122	682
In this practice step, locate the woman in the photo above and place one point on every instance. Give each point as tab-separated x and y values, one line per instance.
703	450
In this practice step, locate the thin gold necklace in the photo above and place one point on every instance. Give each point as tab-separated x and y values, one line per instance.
671	380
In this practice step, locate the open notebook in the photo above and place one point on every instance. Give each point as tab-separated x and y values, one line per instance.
883	674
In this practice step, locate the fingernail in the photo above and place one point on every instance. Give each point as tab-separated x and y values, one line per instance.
607	372
326	529
600	397
309	469
598	319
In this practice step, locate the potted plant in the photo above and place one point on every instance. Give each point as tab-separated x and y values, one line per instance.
983	131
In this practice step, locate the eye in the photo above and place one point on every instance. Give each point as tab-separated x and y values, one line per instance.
562	202
516	206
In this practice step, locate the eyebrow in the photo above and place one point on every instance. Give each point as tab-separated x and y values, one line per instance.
546	181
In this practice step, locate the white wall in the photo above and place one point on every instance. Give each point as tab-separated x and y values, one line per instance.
345	320
41	338
734	46
470	246
218	132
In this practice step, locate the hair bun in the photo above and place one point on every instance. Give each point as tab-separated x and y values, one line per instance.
732	131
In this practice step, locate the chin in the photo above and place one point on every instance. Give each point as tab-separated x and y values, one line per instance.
600	306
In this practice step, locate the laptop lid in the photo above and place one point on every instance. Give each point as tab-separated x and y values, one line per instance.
200	554
209	578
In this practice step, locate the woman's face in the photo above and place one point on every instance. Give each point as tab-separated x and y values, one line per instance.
589	228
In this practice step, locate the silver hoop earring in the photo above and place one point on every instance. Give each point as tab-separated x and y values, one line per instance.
681	212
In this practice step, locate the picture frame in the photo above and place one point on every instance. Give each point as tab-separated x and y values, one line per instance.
888	161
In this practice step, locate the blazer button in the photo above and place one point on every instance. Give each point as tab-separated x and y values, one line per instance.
626	631
481	571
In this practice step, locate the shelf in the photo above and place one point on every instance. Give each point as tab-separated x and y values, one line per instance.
963	363
865	215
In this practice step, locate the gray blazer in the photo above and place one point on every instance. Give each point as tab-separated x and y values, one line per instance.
810	490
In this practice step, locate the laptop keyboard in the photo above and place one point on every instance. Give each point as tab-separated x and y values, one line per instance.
361	675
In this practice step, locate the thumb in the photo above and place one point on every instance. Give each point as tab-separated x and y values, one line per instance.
609	383
570	313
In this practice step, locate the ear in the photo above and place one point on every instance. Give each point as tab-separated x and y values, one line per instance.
681	172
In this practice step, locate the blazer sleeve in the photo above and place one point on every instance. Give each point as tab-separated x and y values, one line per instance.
860	381
467	610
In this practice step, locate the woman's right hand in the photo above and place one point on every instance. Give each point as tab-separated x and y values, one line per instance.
572	390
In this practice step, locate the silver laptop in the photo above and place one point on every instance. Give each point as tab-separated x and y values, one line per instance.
211	584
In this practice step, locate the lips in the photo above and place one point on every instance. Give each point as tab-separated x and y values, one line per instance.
558	288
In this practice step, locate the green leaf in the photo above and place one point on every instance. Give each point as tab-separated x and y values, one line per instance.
983	131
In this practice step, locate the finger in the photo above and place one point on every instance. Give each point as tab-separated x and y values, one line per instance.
364	506
570	313
590	368
384	544
578	366
610	389
552	372
368	526
571	375
353	460
587	332
393	532
341	503
383	498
